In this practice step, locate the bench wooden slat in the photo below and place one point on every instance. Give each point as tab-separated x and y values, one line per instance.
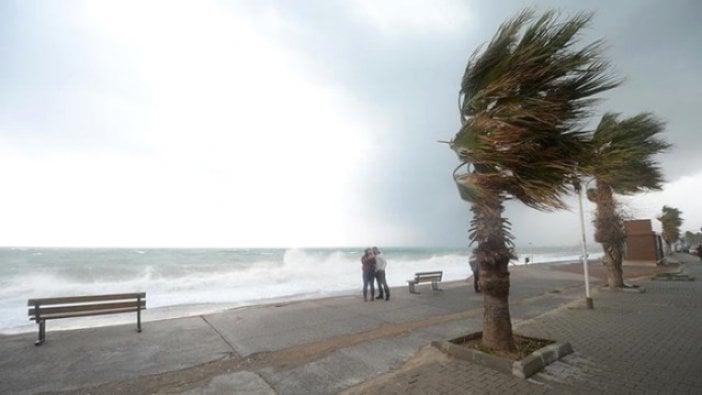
81	299
428	277
87	313
45	312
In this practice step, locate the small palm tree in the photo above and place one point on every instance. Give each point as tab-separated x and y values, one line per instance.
670	222
521	100
692	238
620	159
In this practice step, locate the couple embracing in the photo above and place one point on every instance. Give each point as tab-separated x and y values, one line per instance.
373	263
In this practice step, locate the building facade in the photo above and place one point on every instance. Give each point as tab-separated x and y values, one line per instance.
643	245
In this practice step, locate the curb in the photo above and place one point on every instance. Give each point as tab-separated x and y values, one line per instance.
539	359
524	368
677	276
637	289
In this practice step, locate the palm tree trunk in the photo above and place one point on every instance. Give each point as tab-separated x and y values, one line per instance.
610	233
615	272
497	322
493	254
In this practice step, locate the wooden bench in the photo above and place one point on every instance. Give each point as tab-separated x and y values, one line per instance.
425	277
82	306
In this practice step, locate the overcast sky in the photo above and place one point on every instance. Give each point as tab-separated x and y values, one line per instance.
291	123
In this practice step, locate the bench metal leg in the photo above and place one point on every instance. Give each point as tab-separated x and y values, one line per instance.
139	314
435	286
42	333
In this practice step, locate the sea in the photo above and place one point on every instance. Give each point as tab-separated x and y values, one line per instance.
183	282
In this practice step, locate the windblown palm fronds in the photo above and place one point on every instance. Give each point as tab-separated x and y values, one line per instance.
622	153
521	100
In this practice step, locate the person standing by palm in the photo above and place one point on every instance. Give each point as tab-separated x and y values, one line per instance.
475	267
380	265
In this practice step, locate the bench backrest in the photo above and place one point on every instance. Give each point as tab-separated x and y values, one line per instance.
79	306
428	275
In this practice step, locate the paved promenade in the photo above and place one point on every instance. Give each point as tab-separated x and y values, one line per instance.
630	343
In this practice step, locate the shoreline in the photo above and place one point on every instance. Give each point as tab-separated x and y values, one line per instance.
185	277
597	273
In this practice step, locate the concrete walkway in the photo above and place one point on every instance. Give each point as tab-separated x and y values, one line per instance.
631	343
343	344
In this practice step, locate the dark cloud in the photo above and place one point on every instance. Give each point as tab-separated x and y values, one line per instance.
412	81
405	80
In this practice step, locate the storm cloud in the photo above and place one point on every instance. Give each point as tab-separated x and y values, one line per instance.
344	104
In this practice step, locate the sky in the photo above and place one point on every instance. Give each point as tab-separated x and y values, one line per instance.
311	123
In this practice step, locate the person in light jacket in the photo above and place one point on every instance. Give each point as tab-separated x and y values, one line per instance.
380	265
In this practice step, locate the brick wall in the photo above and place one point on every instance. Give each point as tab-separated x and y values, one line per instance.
641	241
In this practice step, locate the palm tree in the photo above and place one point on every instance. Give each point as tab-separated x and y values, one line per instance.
670	221
620	160
521	100
692	239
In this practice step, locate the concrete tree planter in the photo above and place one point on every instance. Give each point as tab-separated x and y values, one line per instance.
679	276
627	288
523	368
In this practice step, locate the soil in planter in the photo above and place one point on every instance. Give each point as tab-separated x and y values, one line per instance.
523	346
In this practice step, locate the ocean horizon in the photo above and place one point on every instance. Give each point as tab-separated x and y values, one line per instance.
190	281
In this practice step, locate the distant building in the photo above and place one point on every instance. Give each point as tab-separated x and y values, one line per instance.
643	245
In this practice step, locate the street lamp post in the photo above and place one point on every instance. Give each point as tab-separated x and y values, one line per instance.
583	249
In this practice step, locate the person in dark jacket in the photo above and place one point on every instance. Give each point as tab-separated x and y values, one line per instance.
368	267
